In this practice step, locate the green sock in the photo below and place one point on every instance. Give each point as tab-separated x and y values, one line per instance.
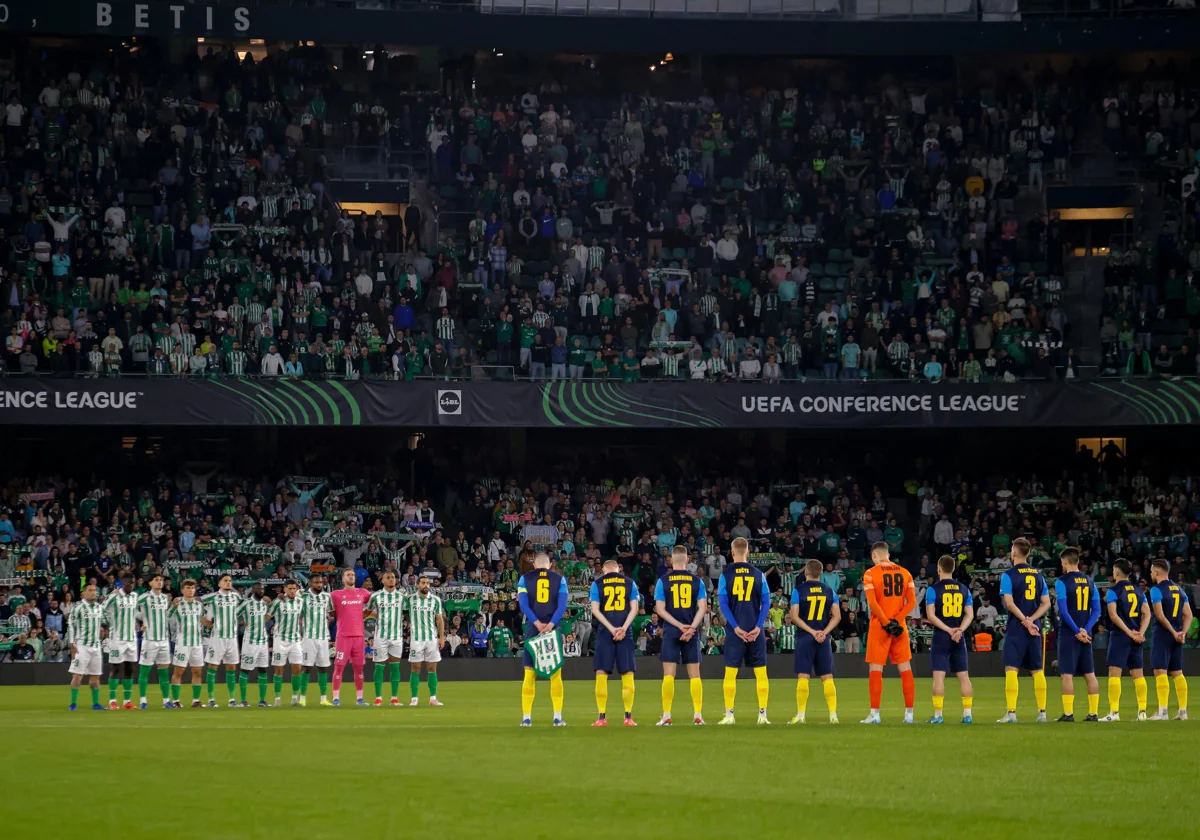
304	680
164	682
414	682
433	684
211	678
296	678
278	680
378	672
74	696
112	689
243	681
231	679
196	691
323	681
127	688
175	691
143	679
262	686
394	678
95	696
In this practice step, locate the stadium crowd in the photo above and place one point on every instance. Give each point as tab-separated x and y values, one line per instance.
177	219
483	532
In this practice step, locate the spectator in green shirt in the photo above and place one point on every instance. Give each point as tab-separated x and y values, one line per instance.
893	535
631	367
1001	542
500	640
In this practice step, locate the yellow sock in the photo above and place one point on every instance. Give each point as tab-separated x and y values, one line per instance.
1181	690
729	686
1141	692
938	704
1039	689
831	696
763	687
1162	687
1068	704
697	689
528	691
1114	695
556	692
1011	689
627	692
668	694
601	692
1093	704
967	703
801	695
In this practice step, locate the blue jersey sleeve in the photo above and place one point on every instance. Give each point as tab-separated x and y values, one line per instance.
765	608
1005	585
795	602
659	594
721	585
1110	597
930	597
561	609
1045	588
968	598
634	594
521	585
703	595
1155	595
1064	615
594	593
1094	615
526	610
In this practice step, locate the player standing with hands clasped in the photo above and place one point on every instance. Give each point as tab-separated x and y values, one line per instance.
349	603
891	596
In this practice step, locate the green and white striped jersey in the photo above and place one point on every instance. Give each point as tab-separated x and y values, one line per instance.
787	637
120	610
253	611
287	613
85	621
188	614
154	610
389	614
317	607
223	612
422	617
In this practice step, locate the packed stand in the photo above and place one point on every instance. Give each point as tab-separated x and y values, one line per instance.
484	532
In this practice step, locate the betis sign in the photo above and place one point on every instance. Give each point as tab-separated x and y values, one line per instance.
546	651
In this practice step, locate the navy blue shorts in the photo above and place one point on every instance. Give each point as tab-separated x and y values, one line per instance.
948	656
738	653
610	653
1074	657
676	651
1166	654
1022	650
812	657
1124	652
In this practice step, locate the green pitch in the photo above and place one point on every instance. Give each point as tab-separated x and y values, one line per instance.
467	770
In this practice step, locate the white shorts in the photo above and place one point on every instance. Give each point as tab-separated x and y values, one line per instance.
315	653
255	656
156	653
424	652
385	649
88	661
121	652
221	652
287	652
188	656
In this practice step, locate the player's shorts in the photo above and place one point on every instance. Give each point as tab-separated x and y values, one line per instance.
287	653
221	652
883	648
948	656
88	661
188	656
613	654
424	652
1166	654
255	656
385	649
316	652
1022	650
675	651
1124	652
121	652
156	653
352	649
1074	657
738	653
812	657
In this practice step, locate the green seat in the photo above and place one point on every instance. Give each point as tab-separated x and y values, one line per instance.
828	285
816	269
595	342
727	184
835	255
679	254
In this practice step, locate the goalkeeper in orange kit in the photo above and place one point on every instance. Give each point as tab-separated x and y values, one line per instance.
891	597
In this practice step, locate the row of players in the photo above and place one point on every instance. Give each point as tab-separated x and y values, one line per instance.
681	600
301	639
